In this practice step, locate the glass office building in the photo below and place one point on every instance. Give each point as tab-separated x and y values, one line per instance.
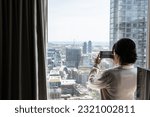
128	18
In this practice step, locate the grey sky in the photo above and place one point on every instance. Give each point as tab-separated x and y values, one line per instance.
78	20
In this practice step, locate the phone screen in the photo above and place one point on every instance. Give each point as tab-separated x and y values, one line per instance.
106	54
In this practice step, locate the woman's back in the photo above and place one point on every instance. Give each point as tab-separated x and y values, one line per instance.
118	83
121	83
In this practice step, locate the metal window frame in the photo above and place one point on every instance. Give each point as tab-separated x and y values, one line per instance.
148	38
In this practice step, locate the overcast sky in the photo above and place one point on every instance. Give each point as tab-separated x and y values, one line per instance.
78	20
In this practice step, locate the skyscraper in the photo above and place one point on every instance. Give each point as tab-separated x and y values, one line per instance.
73	56
89	46
84	48
128	18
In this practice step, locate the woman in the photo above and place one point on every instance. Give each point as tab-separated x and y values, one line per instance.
118	83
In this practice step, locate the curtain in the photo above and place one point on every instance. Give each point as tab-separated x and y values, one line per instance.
23	37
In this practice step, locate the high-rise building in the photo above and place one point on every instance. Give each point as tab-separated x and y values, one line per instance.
54	83
89	46
128	18
84	48
53	57
73	56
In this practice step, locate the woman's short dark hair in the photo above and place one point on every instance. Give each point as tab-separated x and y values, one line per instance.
125	48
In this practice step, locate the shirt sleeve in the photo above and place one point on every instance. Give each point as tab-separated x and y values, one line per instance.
99	80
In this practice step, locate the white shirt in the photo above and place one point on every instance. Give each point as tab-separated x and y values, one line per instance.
115	83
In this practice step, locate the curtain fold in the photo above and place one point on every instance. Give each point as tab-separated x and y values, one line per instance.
0	46
22	49
41	41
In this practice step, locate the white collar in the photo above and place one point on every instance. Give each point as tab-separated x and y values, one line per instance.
129	66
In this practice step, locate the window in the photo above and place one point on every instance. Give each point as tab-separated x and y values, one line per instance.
128	35
128	30
128	25
129	1
75	28
134	25
129	7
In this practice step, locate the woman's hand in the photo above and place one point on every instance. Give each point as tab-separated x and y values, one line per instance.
97	60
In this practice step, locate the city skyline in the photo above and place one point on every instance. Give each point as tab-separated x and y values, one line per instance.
70	62
78	20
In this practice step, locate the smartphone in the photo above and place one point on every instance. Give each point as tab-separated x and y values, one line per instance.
106	54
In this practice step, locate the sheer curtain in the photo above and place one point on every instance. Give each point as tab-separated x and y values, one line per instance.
23	36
